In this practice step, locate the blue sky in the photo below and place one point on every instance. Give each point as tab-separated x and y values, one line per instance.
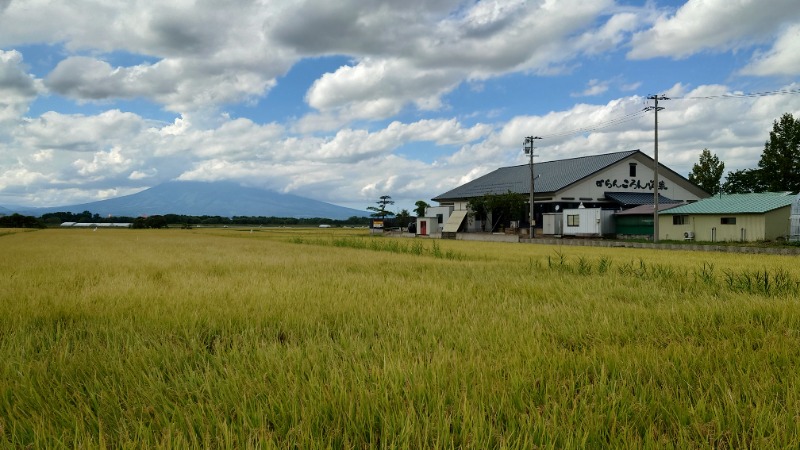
344	103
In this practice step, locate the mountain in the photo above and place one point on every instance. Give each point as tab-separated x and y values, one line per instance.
196	198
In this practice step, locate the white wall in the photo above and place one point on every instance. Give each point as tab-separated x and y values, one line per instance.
613	178
434	211
591	221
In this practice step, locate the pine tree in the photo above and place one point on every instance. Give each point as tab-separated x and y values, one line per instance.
380	211
780	163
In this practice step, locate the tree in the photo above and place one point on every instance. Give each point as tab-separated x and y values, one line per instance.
479	209
402	218
149	222
19	221
156	222
380	211
743	181
420	208
780	161
707	172
508	206
503	207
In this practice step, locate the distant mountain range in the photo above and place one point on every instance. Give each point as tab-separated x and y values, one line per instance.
195	198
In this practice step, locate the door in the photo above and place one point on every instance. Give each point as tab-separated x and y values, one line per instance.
423	227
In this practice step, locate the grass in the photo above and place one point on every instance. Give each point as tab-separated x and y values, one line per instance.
277	338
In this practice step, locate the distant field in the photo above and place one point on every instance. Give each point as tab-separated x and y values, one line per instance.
331	338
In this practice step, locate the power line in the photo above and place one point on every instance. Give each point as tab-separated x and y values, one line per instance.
598	126
636	115
742	95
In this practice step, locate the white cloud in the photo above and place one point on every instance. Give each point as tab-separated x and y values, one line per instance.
79	133
193	56
104	163
594	87
712	25
17	88
113	150
143	174
354	165
612	34
782	59
404	60
733	128
488	39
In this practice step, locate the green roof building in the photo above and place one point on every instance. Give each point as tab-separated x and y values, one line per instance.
736	217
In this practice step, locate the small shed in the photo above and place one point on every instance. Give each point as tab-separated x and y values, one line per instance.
588	222
434	220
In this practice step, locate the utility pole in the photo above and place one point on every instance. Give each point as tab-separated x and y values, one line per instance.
655	108
527	145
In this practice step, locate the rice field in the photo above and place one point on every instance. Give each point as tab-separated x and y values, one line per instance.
286	338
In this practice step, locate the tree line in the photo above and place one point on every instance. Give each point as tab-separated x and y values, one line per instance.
162	221
778	168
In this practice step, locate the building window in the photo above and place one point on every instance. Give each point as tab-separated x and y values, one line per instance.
440	218
632	171
573	220
680	220
728	221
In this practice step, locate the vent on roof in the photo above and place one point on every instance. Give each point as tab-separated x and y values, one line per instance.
794	221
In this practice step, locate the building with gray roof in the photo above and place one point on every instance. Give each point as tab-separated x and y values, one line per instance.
617	181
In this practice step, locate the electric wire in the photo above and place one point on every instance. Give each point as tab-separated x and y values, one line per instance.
598	126
740	95
636	115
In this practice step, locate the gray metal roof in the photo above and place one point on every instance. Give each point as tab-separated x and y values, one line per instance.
551	176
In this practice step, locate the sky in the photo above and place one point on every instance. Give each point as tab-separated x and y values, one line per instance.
350	100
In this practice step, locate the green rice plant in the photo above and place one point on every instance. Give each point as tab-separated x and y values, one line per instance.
663	271
559	262
435	250
706	274
584	267
603	264
762	282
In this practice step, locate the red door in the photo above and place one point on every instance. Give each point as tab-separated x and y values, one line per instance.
423	227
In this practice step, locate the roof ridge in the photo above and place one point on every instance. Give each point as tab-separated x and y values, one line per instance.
575	157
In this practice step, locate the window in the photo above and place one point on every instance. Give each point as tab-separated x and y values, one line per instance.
728	221
680	220
632	170
440	218
573	220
